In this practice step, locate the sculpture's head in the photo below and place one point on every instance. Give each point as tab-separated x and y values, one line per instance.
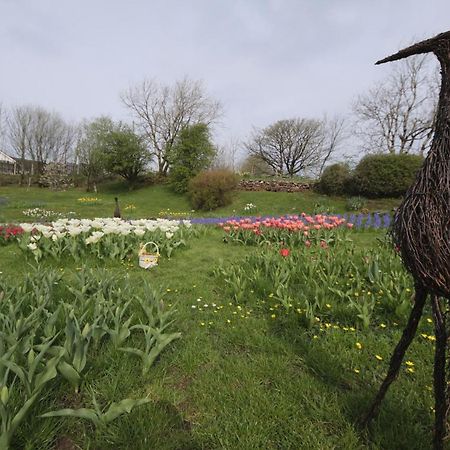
439	45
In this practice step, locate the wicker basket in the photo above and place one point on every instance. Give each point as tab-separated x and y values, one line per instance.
147	259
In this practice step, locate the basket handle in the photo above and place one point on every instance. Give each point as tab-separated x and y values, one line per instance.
143	248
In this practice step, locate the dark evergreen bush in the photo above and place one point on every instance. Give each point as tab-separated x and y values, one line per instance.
385	175
335	179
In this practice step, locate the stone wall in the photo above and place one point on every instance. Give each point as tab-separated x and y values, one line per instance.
273	185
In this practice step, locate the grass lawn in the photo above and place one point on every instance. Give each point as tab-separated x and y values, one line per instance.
151	201
236	379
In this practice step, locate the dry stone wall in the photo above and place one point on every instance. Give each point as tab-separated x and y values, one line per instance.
273	185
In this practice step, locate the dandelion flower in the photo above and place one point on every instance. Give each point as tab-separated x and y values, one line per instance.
358	345
273	316
380	358
409	363
356	370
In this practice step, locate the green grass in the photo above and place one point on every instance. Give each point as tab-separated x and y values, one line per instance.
252	383
150	201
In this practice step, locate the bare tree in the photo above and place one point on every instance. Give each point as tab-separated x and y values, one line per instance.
335	134
18	131
397	115
227	154
295	145
2	126
37	134
161	112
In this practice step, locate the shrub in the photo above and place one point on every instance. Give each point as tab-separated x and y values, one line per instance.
385	175
355	203
212	189
335	179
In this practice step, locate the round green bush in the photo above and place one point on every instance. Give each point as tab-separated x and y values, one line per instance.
385	175
212	189
335	179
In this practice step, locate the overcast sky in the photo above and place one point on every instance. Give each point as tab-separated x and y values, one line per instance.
264	60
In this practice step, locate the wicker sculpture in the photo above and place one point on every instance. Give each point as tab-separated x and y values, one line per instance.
421	231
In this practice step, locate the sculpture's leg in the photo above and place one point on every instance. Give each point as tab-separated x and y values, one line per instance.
439	374
399	352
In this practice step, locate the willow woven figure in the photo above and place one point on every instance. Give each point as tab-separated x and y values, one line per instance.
421	231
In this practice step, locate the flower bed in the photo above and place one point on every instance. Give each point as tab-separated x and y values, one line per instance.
10	233
104	238
291	230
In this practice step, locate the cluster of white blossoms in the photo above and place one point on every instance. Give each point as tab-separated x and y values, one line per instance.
100	227
249	207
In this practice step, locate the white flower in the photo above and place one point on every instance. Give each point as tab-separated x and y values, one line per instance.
47	233
74	231
94	238
169	235
139	231
32	246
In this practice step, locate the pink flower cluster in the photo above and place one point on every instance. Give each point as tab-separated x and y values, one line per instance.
301	223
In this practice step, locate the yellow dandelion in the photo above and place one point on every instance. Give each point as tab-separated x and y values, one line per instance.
273	316
202	324
356	371
410	370
382	325
358	345
429	320
380	358
409	363
328	305
228	321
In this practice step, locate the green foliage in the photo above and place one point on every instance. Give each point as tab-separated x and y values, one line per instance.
319	284
355	203
125	153
385	175
96	415
90	149
192	152
212	189
335	179
43	340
